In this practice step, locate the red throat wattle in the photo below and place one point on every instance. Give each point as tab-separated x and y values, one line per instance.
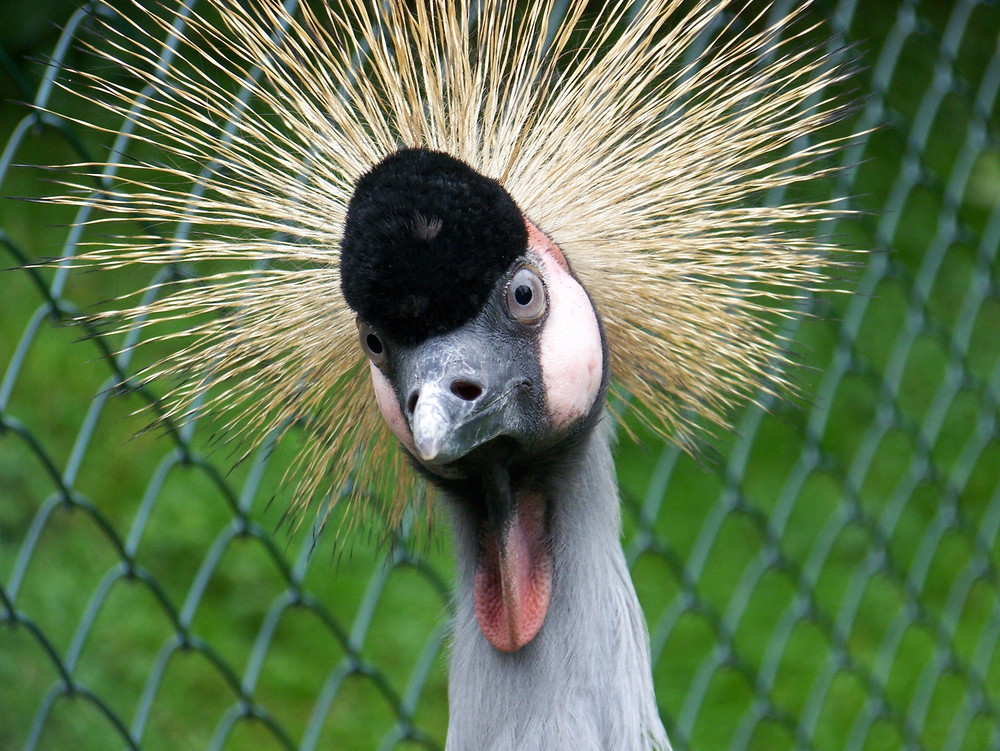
513	579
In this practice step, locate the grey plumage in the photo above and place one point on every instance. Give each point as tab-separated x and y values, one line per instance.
584	683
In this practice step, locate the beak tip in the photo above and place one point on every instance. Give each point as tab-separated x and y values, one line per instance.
429	428
429	449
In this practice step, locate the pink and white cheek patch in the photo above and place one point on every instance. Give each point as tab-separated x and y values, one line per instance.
570	345
388	405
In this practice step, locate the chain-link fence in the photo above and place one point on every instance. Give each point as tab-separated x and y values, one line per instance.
825	578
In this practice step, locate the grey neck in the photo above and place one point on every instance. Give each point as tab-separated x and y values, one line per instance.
584	683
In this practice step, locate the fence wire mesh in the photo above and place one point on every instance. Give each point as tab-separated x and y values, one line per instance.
825	579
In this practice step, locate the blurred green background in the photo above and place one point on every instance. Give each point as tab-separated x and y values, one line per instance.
823	578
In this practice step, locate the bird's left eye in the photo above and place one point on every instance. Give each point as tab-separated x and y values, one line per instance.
372	344
526	296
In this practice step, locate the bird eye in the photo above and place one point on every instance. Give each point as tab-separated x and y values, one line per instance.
526	296
372	344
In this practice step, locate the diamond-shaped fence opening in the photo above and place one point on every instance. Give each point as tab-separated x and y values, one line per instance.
824	578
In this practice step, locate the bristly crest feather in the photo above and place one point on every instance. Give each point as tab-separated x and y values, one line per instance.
645	167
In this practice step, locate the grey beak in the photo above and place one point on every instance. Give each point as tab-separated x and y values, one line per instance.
447	426
460	390
432	421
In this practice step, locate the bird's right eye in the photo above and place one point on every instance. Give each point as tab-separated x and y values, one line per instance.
372	344
526	296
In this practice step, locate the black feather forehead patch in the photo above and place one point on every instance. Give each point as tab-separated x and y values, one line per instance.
425	240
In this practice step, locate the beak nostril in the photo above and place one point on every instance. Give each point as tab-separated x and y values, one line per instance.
411	403
466	390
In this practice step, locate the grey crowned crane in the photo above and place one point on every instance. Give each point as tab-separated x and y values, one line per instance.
466	222
490	365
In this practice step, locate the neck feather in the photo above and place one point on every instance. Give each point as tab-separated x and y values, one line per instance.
584	682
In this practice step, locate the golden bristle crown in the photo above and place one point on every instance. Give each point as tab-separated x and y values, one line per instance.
645	163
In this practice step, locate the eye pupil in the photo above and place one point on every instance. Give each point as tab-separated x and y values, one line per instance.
374	344
522	294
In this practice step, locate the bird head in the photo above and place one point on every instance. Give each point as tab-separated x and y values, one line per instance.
486	354
660	146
